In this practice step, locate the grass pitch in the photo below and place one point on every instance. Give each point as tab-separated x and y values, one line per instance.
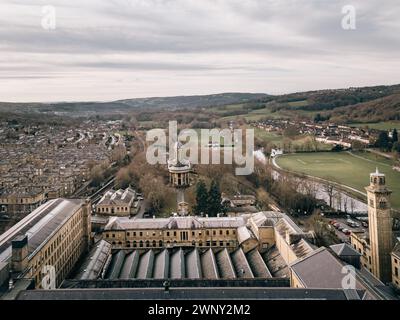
351	169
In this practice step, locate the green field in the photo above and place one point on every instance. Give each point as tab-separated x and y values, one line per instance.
388	125
349	169
278	139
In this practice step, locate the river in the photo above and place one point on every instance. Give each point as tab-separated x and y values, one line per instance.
341	200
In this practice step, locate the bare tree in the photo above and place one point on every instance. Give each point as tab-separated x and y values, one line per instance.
330	191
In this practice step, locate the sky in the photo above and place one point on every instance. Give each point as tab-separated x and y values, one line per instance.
102	50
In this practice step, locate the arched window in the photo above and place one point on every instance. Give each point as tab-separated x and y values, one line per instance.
134	244
147	244
383	204
160	243
154	243
193	243
141	243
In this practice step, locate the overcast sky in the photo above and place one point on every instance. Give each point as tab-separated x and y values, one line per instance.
115	49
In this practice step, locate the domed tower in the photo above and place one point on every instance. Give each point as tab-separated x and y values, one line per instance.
179	176
380	226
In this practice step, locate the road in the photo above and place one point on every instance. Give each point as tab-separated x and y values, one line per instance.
144	204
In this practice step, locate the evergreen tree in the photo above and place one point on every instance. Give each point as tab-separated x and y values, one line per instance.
395	137
396	147
201	198
214	199
383	141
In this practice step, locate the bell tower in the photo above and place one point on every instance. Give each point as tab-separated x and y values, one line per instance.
380	226
179	177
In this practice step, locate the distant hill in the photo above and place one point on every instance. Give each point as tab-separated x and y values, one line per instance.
383	109
193	101
177	102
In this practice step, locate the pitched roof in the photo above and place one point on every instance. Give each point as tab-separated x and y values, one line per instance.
344	250
319	269
396	249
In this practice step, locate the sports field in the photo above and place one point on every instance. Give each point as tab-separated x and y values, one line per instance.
351	169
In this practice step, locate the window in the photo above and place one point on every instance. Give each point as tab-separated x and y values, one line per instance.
167	233
382	204
396	271
214	232
227	232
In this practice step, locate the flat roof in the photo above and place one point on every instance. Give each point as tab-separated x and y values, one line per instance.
244	293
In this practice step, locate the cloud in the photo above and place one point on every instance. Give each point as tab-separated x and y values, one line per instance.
193	47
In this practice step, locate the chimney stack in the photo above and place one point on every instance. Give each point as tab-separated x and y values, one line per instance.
19	255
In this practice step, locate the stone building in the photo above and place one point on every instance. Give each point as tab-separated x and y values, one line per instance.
396	266
377	245
21	201
172	232
47	243
117	203
179	170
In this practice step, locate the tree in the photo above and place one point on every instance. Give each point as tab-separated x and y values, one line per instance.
97	175
383	141
123	178
395	137
214	199
329	190
396	147
201	198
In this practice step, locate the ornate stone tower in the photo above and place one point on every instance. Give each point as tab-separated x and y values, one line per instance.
179	177
380	226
